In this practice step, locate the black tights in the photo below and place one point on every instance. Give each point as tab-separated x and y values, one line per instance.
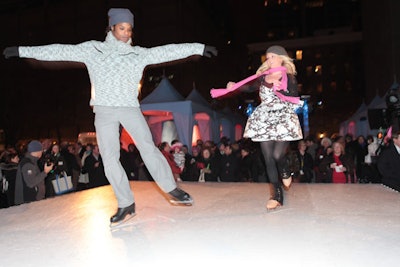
273	152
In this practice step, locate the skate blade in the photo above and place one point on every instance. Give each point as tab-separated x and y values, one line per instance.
273	205
123	222
181	203
287	183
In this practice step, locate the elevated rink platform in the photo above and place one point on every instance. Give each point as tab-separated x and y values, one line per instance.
319	225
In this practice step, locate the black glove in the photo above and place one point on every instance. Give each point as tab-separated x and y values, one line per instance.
11	51
210	51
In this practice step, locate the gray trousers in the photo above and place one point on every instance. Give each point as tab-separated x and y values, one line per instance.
107	122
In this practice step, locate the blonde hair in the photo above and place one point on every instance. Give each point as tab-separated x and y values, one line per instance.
342	149
287	63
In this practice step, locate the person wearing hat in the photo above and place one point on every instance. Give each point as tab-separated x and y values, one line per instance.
115	69
274	123
179	158
30	180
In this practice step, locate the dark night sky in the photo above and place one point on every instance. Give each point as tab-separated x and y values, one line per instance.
51	99
41	99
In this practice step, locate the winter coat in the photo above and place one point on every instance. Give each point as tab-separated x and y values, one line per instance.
389	167
29	183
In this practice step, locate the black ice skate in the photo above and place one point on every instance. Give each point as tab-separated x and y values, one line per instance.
180	197
122	215
276	199
285	172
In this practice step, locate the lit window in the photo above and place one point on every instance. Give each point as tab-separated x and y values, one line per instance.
318	69
263	58
299	54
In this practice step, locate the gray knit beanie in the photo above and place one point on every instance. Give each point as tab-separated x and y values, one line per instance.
119	15
34	146
277	49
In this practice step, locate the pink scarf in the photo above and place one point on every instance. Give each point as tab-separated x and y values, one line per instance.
223	91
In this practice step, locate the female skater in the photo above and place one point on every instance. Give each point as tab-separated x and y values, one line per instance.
115	69
274	122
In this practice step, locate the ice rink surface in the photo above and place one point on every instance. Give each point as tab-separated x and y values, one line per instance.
318	225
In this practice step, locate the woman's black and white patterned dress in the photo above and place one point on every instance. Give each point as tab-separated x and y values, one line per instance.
274	119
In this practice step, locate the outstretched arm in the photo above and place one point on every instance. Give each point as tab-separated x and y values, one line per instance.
52	52
249	87
234	86
172	52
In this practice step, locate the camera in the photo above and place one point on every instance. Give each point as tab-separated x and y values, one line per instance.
49	162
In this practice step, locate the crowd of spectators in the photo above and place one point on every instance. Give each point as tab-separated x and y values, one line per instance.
69	159
345	159
337	159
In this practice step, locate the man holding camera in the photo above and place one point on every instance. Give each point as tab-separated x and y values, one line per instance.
29	183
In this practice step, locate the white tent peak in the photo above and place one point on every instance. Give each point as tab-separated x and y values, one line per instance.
358	123
164	92
361	108
196	97
377	102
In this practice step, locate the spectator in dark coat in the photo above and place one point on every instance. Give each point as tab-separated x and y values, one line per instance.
322	152
60	168
389	163
95	168
208	166
9	166
130	162
228	167
29	182
191	172
247	167
360	151
72	165
303	164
